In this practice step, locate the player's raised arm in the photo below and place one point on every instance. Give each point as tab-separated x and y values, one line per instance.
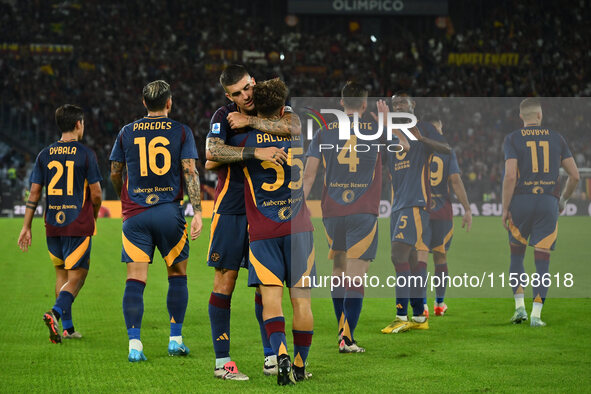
383	109
25	237
194	189
458	188
117	176
435	146
217	150
572	171
509	182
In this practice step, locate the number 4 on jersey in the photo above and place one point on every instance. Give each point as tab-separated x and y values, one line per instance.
351	159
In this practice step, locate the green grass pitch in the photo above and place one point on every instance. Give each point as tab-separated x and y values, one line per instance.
472	348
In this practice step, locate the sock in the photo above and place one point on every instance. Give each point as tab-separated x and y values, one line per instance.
57	311
519	300
276	332
441	272
536	310
402	292
68	326
136	344
220	362
66	308
258	311
516	267
352	309
419	319
419	288
176	301
301	346
133	307
219	318
542	260
62	303
338	300
342	321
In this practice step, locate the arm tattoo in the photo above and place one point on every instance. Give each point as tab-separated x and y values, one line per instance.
224	153
192	180
117	176
286	126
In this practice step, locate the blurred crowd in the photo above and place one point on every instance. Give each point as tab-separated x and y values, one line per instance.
119	46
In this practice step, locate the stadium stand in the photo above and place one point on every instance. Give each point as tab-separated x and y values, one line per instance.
96	54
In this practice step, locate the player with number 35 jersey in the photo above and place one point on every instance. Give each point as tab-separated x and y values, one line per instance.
281	242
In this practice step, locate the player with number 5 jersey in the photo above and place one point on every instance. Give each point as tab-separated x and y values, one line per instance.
159	154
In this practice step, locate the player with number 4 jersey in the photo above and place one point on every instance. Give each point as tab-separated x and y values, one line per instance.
350	203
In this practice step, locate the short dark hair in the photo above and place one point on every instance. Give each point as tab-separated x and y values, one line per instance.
67	116
354	95
232	74
269	96
156	94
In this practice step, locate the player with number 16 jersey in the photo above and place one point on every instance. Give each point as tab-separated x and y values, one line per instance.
146	146
159	154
